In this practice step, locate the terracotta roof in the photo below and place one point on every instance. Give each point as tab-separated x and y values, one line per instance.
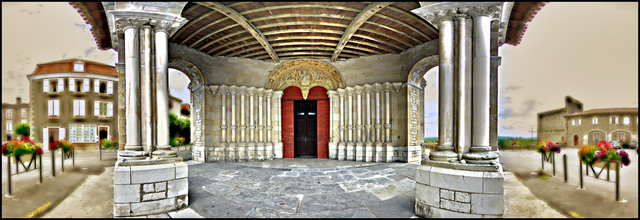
606	111
67	66
521	13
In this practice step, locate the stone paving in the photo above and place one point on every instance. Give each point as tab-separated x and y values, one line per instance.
311	188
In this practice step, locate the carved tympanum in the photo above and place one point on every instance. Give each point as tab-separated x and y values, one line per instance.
305	74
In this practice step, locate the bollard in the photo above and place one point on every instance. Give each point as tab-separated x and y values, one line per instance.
99	149
40	156
542	160
73	156
9	174
607	164
53	163
618	181
564	163
553	158
581	187
62	157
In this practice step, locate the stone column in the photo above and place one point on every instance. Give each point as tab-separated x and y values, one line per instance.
251	145
351	147
162	91
261	127
231	146
380	153
359	154
221	155
242	144
342	145
277	149
268	146
145	98
368	146
480	150
133	149
333	136
464	85
444	150
388	143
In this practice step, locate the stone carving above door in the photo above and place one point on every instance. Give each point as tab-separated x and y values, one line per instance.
305	74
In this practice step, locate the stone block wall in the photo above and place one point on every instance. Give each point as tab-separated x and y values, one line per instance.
453	193
586	128
551	127
150	189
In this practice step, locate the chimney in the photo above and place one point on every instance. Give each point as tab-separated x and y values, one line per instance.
18	100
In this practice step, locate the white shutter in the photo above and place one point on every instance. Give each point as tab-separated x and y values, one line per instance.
76	107
45	139
72	85
96	85
82	106
110	109
56	108
50	105
45	85
110	87
96	108
85	84
62	134
60	85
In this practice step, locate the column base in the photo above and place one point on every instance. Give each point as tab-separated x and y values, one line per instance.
231	152
251	151
133	155
164	154
351	151
443	155
368	151
342	151
133	147
333	151
163	147
390	152
268	151
486	157
220	152
380	153
260	151
359	154
240	152
277	150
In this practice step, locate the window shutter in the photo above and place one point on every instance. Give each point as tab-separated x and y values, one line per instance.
62	134
96	85
45	139
110	87
60	85
45	85
82	106
50	105
110	109
72	84
86	85
76	107
56	108
96	108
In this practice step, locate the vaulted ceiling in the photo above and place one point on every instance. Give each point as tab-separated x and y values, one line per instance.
274	31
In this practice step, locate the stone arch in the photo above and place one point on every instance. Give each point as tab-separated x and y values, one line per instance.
196	86
599	138
415	97
627	137
305	74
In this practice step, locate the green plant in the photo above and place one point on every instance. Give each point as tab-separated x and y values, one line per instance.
23	129
61	143
21	147
108	143
603	152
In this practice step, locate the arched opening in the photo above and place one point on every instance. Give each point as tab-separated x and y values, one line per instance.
621	135
103	133
575	140
422	96
596	136
179	88
103	87
305	123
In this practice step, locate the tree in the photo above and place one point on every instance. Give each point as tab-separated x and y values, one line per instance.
179	127
23	129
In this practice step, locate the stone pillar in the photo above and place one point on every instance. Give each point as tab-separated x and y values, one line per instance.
444	150
231	146
380	153
464	86
162	91
359	153
388	143
368	146
333	136
251	145
221	151
277	149
351	147
342	145
261	127
133	149
268	146
145	98
480	150
242	144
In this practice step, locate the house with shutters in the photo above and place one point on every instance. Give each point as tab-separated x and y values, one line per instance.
73	99
12	114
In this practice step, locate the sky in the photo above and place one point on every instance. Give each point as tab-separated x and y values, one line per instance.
586	50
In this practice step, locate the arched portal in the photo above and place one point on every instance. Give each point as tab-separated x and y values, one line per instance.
575	140
416	99
305	123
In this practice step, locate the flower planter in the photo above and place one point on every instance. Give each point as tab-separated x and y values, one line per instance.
23	158
601	165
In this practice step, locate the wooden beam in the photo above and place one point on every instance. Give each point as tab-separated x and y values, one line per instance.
234	15
363	16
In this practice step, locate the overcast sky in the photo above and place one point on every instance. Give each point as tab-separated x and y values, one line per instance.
586	50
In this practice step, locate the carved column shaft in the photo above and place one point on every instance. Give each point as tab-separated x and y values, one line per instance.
242	121
378	116
388	113
145	99
359	115
251	118
481	71
233	116
268	117
260	117
464	86
132	90
223	127
162	93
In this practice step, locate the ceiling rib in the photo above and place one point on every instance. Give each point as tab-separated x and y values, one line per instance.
365	14
306	53
300	38
203	16
332	45
245	24
411	15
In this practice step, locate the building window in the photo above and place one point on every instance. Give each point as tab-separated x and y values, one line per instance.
45	85
614	120
78	67
9	126
596	136
621	136
85	84
103	109
54	108
9	113
595	120
82	133
626	120
103	87
78	107
23	112
576	121
23	120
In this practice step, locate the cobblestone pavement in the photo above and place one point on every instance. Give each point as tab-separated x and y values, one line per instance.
307	188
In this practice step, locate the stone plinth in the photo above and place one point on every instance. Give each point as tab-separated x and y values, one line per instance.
446	190
147	188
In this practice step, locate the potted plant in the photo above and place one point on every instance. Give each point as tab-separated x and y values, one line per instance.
548	146
598	155
24	149
61	143
108	143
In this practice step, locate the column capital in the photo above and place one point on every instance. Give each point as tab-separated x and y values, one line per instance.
214	89
260	92
268	93
388	86
377	87
126	23
222	90
232	90
397	86
164	25
368	88
350	91
490	10
278	94
251	90
332	93
242	90
358	89
342	92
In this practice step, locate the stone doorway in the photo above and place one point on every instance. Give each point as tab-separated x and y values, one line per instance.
575	140
305	129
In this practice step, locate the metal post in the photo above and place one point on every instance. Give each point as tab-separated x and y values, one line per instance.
62	158
53	163
99	149
40	156
579	161
618	181
73	156
17	161
564	163
608	170
9	174
553	158
542	159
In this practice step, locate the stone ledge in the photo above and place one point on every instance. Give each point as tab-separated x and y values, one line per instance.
459	166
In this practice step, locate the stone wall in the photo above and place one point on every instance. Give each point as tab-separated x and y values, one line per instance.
552	127
587	127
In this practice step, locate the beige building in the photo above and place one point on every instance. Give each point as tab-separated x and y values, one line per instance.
578	127
73	99
12	114
177	107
